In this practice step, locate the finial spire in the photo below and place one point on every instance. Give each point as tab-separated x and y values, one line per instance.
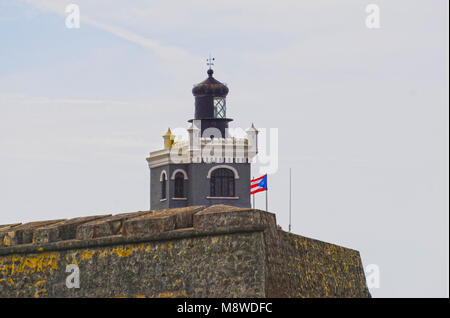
168	139
210	61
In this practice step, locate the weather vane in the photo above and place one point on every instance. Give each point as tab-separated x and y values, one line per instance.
210	61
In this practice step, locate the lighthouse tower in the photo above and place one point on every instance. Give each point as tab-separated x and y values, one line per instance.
210	167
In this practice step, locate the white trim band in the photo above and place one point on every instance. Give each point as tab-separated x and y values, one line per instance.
223	198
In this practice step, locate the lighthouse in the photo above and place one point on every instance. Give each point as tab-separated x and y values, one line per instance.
211	166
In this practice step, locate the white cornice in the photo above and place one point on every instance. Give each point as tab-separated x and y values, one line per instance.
227	150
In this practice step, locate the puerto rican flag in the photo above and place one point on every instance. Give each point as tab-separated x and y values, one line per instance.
258	184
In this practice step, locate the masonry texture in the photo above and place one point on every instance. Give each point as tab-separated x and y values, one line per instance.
218	251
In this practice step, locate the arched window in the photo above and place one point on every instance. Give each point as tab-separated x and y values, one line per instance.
222	183
179	185
163	179
163	189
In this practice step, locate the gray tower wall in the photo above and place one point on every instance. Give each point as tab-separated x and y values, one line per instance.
197	186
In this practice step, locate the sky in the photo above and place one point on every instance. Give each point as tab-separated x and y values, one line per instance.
361	114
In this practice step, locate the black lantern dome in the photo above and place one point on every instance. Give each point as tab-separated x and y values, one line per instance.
210	86
210	105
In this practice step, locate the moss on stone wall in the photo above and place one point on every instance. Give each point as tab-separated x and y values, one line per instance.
206	266
220	251
303	267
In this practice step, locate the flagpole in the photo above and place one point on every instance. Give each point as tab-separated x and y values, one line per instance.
253	195
267	190
290	197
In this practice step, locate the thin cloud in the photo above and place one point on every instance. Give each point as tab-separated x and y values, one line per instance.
7	99
167	53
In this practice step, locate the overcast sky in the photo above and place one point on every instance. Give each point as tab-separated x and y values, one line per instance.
362	114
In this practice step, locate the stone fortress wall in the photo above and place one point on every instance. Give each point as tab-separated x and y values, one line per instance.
219	251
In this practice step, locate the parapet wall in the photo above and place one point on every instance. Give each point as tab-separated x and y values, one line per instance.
219	251
298	266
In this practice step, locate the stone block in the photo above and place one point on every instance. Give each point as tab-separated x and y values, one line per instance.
106	226
224	216
22	234
161	221
63	230
149	225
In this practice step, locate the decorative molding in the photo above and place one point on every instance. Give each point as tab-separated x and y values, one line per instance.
236	174
179	170
161	175
232	150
